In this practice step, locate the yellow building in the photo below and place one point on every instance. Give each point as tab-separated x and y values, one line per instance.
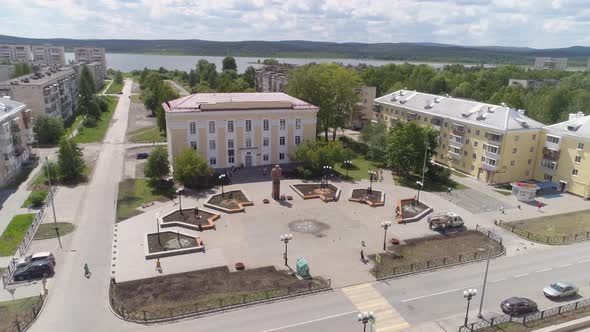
494	143
233	129
16	138
563	154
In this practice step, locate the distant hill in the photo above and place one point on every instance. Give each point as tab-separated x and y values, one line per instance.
435	52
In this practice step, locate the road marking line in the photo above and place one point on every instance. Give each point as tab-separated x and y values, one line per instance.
566	265
544	270
435	294
521	275
311	321
367	298
499	280
393	327
584	261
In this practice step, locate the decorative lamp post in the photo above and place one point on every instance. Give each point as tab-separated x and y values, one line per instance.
385	225
158	225
420	185
327	170
179	193
286	238
468	295
347	163
372	175
51	192
365	317
222	179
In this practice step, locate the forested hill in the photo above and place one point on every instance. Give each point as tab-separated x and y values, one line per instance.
578	55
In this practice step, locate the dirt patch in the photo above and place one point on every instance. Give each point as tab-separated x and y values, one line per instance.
170	241
189	216
187	289
373	196
229	200
411	208
328	192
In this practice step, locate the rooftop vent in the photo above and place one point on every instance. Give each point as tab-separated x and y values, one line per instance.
402	93
522	112
574	127
394	98
428	104
402	101
503	104
490	109
437	99
480	115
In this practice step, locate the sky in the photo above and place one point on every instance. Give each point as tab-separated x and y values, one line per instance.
532	23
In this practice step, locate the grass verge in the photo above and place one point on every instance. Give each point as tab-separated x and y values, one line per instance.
96	134
47	231
502	192
106	84
114	88
75	124
438	186
135	192
552	229
14	233
137	99
147	135
41	192
20	309
359	169
533	326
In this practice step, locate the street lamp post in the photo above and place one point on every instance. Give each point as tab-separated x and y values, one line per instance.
286	238
221	179
158	225
421	183
365	317
51	192
179	193
347	163
468	295
327	170
385	225
485	280
371	179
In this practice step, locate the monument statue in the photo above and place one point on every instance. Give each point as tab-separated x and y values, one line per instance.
275	174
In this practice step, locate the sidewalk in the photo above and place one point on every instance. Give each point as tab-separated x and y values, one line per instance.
12	205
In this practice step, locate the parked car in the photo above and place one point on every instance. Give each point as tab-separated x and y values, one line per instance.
442	221
34	270
142	155
560	289
518	305
39	256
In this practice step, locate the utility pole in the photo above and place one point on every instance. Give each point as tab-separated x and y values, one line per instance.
51	192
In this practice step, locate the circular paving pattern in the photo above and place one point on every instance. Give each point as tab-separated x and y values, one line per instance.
308	226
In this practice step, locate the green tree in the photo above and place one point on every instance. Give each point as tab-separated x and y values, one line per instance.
118	77
229	63
315	155
86	99
207	72
191	170
406	144
157	167
48	129
193	78
71	164
103	104
374	135
21	69
250	76
270	62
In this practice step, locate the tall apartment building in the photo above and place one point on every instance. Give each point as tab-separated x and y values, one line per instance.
564	155
273	78
231	129
50	91
15	53
494	143
363	110
550	63
48	55
97	70
6	72
16	138
90	54
532	84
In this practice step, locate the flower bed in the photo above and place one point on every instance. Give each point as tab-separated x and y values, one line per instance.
362	195
230	202
327	193
165	244
195	219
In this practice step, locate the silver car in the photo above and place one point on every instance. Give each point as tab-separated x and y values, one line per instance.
560	289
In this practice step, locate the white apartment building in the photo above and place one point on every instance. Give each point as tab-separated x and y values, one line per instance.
550	63
90	54
15	54
16	138
48	55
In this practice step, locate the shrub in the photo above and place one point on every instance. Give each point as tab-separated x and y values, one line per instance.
89	122
38	198
191	170
48	130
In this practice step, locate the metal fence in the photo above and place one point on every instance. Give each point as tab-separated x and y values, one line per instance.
565	239
493	323
26	318
446	261
28	238
212	305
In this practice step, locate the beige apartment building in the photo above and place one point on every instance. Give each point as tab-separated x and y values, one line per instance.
15	53
48	55
90	54
363	110
51	91
16	137
97	71
233	129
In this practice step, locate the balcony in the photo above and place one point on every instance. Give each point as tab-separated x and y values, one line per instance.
458	129
550	154
454	154
489	167
548	166
493	138
552	145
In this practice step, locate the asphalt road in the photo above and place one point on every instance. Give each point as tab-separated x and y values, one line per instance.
79	304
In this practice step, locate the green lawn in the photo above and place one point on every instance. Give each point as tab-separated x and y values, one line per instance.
536	325
147	135
557	226
28	201
502	192
74	125
115	88
14	233
96	134
135	192
106	84
359	169
137	99
459	174
410	182
47	231
10	310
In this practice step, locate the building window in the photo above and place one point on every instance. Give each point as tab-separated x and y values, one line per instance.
281	156
512	163
530	161
527	173
282	140
574	172
212	161
425	119
211	145
475	143
444	135
532	149
230	143
297	123
265	125
477	132
552	139
534	137
548	177
443	146
474	156
578	159
491	148
282	124
192	128
297	140
516	138
265	141
211	127
580	146
513	150
464	154
194	145
230	156
248	125
446	124
265	157
248	142
472	167
230	126
463	164
467	141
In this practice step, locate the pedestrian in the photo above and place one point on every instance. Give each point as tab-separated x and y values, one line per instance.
362	256
502	209
200	226
363	243
539	206
86	270
264	171
158	265
449	189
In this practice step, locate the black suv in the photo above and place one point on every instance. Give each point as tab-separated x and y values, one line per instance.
518	306
34	270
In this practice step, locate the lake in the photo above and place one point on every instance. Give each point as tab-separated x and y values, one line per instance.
129	62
